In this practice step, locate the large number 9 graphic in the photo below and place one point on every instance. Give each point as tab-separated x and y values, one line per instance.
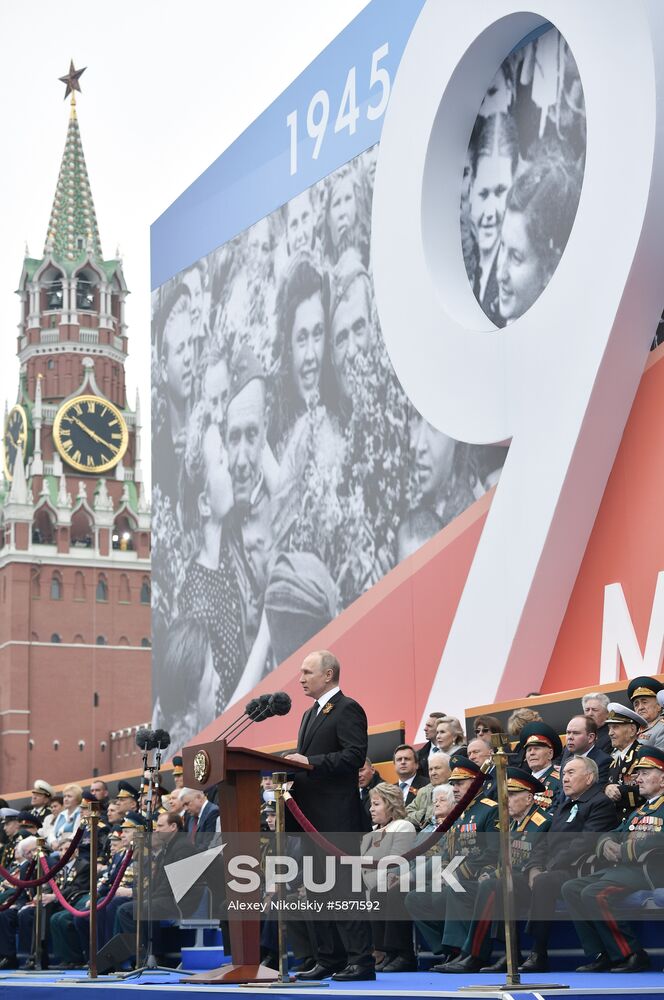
558	382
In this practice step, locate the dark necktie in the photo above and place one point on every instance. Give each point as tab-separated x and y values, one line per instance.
313	711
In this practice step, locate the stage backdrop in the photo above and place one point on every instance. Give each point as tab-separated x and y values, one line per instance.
299	498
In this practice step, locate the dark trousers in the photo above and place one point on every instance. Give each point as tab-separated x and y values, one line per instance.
65	941
488	905
590	902
340	942
393	936
8	928
545	894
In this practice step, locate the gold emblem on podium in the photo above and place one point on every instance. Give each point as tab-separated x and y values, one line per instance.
201	766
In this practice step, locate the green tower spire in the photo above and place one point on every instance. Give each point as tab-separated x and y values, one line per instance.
72	228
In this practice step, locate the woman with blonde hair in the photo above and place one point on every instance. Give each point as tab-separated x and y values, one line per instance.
392	834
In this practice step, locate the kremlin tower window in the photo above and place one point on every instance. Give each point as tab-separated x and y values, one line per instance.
102	588
56	587
146	595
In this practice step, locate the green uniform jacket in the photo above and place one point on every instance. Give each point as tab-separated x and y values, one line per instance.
469	835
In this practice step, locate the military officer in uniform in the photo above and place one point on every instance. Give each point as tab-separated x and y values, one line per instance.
11	825
624	726
469	836
527	822
643	693
610	943
127	797
40	799
542	749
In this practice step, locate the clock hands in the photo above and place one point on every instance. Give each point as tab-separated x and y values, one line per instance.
90	433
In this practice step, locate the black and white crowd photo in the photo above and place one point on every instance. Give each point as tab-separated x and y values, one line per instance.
290	472
523	176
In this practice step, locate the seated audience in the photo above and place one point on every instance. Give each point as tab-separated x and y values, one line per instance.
609	942
585	808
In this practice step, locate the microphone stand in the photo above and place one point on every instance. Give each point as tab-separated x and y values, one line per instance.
145	884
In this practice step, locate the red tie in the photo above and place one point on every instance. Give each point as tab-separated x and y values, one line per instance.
194	828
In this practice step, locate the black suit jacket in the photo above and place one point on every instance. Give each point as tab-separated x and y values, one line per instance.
207	821
418	782
604	740
602	760
365	799
335	743
564	842
423	759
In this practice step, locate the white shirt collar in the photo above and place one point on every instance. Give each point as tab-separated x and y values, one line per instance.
324	698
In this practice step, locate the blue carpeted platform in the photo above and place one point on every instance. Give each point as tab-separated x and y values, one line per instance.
61	986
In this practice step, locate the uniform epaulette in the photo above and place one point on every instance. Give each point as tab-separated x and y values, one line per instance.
538	819
657	803
555	773
488	802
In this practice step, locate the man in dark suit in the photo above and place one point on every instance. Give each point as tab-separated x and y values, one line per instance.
406	764
581	741
430	725
333	739
201	816
368	778
585	808
595	705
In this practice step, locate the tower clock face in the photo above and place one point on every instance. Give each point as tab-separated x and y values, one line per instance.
15	438
90	434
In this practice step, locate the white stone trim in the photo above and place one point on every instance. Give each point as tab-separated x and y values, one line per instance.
72	645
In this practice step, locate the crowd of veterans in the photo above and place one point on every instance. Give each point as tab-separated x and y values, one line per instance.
585	814
53	819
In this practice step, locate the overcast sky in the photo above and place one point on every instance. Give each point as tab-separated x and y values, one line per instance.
168	87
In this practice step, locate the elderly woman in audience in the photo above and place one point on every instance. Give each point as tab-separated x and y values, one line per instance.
68	820
450	736
393	834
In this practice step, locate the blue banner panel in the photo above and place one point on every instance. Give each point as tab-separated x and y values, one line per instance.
330	113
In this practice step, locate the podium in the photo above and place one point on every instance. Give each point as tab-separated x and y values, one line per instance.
236	772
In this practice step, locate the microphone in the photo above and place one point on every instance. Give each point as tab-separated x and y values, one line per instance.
160	739
264	708
252	710
280	703
145	739
267	706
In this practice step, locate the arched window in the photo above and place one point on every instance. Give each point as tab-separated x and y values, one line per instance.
79	586
124	595
102	588
123	641
55	637
85	291
56	587
52	285
145	591
82	531
146	644
35	586
101	640
43	527
123	534
78	638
